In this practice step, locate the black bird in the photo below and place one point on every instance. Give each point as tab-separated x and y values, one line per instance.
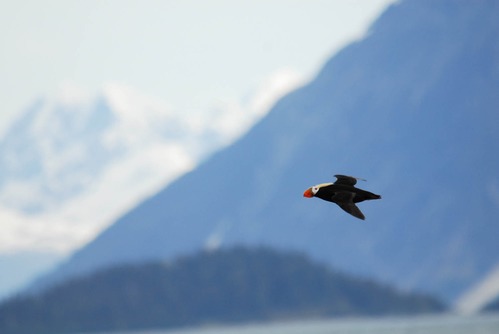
343	193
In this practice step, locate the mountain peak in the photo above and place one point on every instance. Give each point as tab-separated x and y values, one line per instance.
70	94
412	107
133	107
65	157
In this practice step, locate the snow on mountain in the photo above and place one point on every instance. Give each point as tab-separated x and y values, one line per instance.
480	294
63	159
73	163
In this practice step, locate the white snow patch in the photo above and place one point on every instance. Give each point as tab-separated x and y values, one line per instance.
272	89
125	183
233	118
151	157
69	93
480	294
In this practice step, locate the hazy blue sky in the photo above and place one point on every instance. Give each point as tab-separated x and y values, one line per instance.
188	53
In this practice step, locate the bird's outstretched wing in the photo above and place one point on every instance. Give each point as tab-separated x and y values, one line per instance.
347	180
344	199
352	209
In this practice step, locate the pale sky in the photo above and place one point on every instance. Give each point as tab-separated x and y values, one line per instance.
189	53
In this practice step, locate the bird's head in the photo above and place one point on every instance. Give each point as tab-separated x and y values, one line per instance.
310	192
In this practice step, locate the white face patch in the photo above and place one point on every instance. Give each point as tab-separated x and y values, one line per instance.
316	188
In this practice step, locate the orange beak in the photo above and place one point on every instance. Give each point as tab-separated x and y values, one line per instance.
308	193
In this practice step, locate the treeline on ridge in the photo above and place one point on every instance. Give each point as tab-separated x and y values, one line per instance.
231	285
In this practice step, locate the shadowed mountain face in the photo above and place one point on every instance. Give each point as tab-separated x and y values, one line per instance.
413	108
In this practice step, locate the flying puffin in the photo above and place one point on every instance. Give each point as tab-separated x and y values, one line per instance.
343	193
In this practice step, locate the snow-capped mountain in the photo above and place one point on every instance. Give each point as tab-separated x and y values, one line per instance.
74	162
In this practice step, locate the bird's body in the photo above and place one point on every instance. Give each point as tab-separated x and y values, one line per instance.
342	192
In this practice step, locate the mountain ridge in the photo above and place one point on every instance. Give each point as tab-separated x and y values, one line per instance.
73	162
398	108
225	286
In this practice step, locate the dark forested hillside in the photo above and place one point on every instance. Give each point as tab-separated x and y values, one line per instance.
492	307
223	286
